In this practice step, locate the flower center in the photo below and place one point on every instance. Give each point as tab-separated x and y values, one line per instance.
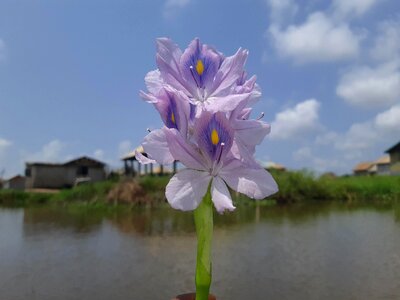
214	137
199	67
173	118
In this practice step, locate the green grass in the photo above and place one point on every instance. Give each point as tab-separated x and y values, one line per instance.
300	186
294	187
95	192
20	198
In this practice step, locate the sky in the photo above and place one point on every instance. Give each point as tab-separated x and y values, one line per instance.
71	72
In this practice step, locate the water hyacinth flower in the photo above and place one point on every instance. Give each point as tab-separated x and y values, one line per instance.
207	77
204	100
211	159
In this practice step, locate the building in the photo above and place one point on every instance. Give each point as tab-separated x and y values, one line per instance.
381	166
363	169
394	153
56	176
130	161
15	183
275	166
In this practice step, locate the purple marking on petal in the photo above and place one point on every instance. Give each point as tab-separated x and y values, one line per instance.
214	135
173	106
207	57
192	111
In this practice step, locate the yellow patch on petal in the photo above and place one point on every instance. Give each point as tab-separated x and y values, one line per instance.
214	137
199	67
173	118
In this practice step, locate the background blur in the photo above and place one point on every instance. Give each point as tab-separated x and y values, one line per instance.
70	73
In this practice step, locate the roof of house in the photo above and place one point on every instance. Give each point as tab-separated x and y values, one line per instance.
85	160
364	166
77	161
275	166
43	164
15	177
393	148
383	160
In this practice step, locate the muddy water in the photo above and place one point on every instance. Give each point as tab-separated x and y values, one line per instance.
314	251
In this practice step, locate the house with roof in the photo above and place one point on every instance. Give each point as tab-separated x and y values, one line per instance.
55	176
274	166
381	166
394	153
363	169
16	182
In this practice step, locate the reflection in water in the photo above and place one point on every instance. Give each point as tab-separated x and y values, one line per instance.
306	251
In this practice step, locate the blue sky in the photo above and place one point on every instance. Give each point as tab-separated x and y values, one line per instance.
70	73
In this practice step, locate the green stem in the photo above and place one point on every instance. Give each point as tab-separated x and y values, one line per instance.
203	219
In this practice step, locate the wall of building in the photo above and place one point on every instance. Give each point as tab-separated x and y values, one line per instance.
395	168
94	173
383	169
395	157
56	177
51	177
97	174
15	184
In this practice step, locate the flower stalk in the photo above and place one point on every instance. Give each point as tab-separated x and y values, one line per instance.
203	218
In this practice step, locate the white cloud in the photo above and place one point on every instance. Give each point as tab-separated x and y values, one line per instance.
171	7
319	39
308	159
387	41
99	154
389	121
50	152
371	87
2	50
359	137
124	147
326	138
4	144
302	154
282	10
297	121
382	130
357	7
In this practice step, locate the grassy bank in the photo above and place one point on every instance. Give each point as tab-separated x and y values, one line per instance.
294	187
302	186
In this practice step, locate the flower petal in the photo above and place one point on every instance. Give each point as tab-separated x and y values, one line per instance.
256	183
143	159
226	103
230	71
167	58
156	146
187	188
199	64
220	196
183	151
153	81
251	132
214	135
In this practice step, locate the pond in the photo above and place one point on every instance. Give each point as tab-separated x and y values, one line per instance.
312	251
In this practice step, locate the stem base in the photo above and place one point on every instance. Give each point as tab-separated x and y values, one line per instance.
192	296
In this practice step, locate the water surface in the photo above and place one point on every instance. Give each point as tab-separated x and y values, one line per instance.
313	251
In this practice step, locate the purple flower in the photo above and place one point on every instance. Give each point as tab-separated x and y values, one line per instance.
208	78
210	157
173	107
204	100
